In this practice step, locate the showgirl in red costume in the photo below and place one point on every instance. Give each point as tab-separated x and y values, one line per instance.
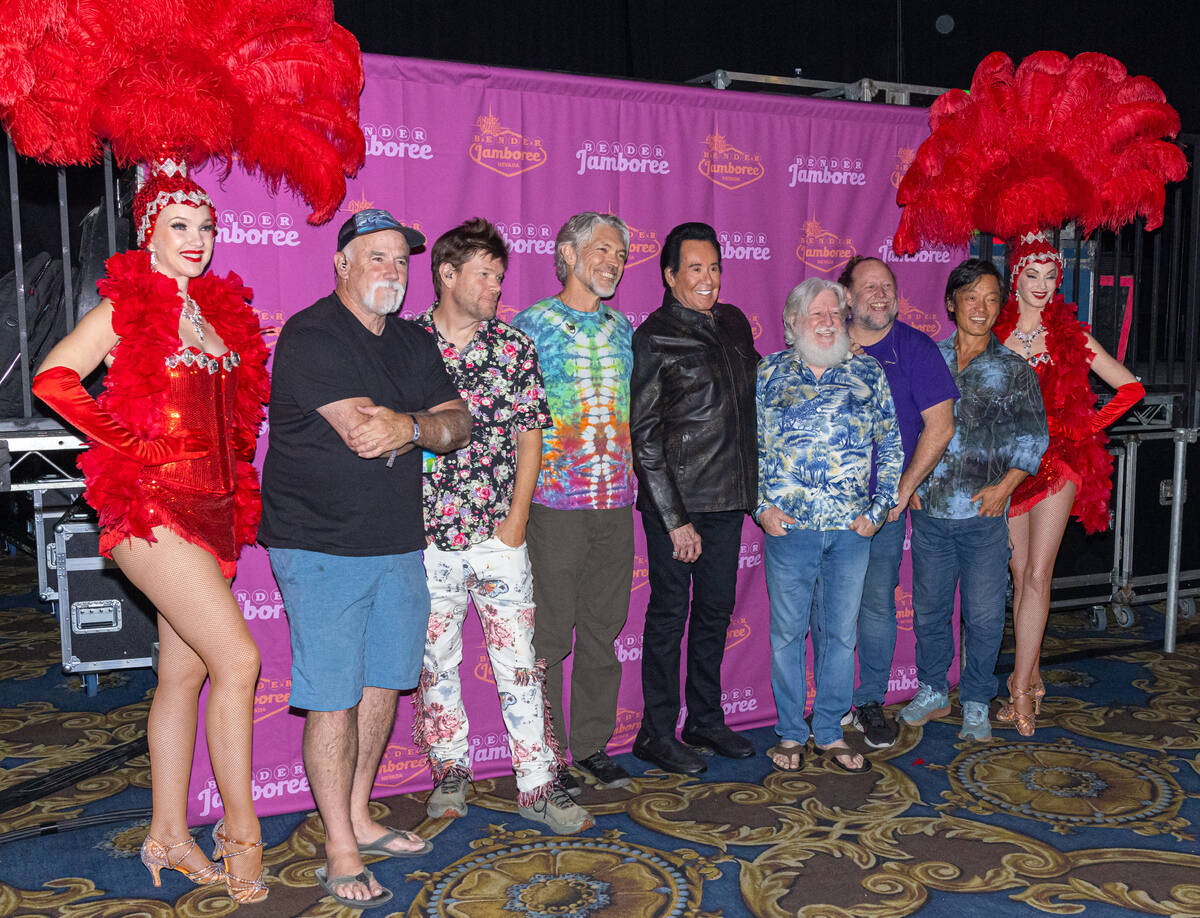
273	85
1074	477
1056	139
168	470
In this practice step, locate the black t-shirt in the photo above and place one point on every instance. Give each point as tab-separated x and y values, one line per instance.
318	494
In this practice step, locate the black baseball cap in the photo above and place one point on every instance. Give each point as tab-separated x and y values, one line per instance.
372	220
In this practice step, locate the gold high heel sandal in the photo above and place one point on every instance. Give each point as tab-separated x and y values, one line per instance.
241	890
1025	723
156	856
1006	710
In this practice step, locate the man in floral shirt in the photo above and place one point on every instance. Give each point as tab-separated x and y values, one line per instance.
476	506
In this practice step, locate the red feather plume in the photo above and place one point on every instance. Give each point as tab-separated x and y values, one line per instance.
1054	140
273	84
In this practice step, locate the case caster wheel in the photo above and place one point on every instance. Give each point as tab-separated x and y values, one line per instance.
1187	607
1098	620
1122	615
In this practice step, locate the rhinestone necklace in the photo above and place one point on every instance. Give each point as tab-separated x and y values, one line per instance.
191	312
1028	339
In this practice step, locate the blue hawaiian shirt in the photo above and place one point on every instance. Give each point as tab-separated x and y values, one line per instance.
999	424
817	438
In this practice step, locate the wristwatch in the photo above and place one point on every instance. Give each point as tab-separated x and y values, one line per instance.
416	429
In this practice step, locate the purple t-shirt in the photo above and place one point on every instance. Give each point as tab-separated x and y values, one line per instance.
918	376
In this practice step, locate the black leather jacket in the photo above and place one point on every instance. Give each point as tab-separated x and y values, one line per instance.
691	415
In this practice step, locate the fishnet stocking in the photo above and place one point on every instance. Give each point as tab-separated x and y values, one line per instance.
1036	537
201	634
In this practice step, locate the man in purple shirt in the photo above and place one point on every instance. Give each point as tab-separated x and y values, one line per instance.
924	393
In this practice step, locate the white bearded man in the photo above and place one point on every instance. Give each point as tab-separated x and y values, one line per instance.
823	413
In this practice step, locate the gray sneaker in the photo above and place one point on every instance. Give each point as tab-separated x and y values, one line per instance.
559	813
976	725
449	798
928	705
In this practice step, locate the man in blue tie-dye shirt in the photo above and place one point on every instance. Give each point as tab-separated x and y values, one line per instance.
960	531
823	414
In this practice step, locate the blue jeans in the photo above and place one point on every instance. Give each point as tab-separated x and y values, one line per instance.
815	580
971	554
877	613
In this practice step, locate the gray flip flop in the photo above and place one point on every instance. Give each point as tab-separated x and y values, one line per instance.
380	845
365	878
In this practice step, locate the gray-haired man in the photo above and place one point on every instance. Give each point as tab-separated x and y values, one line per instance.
580	530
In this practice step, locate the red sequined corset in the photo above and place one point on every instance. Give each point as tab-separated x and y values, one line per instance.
200	403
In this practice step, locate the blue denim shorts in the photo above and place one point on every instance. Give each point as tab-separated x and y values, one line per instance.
354	621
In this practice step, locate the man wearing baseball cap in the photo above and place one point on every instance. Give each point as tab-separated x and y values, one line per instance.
354	389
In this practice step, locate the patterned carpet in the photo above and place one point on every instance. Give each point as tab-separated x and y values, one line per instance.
1096	814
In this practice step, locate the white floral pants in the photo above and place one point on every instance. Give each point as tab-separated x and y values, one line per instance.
497	577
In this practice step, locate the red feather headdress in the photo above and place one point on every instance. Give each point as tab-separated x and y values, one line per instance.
272	83
1056	140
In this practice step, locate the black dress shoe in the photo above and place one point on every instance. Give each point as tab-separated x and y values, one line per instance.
720	740
668	754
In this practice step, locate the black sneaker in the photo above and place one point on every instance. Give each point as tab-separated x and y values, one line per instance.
870	722
608	774
567	782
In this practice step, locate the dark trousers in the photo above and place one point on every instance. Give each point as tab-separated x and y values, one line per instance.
712	582
582	572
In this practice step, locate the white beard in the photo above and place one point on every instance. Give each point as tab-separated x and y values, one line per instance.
815	354
385	297
595	287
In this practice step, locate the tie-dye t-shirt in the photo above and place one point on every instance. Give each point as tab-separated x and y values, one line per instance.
586	359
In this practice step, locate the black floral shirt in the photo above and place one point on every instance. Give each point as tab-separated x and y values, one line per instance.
468	492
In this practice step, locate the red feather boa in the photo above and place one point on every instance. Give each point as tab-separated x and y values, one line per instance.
146	317
1070	406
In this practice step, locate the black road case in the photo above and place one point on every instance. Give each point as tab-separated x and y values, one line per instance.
105	622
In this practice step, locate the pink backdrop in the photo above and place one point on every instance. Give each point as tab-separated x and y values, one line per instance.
794	188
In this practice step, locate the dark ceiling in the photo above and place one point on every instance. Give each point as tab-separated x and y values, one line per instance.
837	40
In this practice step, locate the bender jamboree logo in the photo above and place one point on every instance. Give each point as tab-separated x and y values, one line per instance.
904	159
400	764
724	164
250	227
503	150
744	245
271	324
904	609
397	141
271	697
643	245
818	169
919	318
615	156
824	250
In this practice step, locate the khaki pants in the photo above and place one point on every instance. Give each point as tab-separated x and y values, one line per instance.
582	573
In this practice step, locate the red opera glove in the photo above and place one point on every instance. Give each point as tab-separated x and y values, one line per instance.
60	388
1127	396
